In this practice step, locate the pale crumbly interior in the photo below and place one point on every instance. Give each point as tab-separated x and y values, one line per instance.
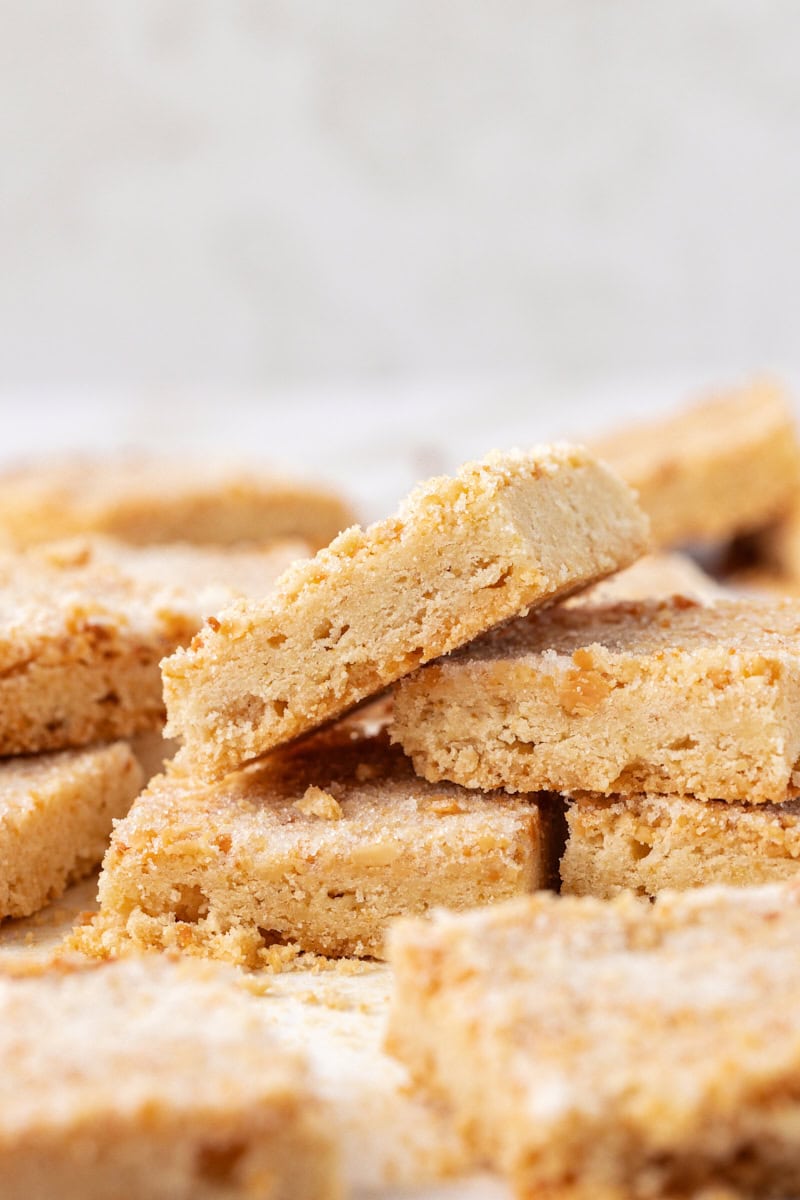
84	625
318	848
154	1081
649	843
654	576
145	500
653	696
56	812
723	467
462	555
613	1048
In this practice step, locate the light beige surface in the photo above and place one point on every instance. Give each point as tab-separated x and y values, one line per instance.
655	576
56	812
613	1048
84	624
148	499
154	1080
727	466
394	1144
662	696
462	554
649	843
316	849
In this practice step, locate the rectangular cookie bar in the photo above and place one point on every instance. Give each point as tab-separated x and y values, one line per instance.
152	1080
462	555
723	467
84	626
56	812
319	847
647	843
144	500
613	1049
654	696
654	576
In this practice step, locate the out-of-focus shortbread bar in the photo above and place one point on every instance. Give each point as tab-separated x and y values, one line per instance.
56	812
462	555
152	1080
84	626
655	576
654	696
613	1049
320	846
777	548
649	843
727	466
145	500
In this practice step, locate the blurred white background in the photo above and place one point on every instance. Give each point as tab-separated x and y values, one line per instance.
371	237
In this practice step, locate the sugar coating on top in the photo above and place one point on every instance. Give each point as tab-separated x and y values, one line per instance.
275	806
25	780
94	584
645	627
133	1036
600	1007
128	1038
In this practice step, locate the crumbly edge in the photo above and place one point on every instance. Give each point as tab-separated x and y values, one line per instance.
63	838
574	723
184	903
650	844
503	578
80	702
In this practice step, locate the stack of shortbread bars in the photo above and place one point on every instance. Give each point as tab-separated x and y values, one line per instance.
510	687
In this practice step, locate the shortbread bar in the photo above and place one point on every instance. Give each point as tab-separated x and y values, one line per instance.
319	846
463	554
656	696
153	1080
84	626
56	812
649	843
145	500
777	547
613	1049
655	576
724	467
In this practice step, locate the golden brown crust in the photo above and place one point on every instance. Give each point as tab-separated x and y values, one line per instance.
145	500
56	812
154	1081
613	1048
84	625
660	696
647	843
462	555
723	467
318	847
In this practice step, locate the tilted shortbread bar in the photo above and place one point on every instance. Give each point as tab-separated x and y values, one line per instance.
649	843
655	696
724	467
152	1080
613	1049
463	554
84	626
320	846
145	500
56	812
